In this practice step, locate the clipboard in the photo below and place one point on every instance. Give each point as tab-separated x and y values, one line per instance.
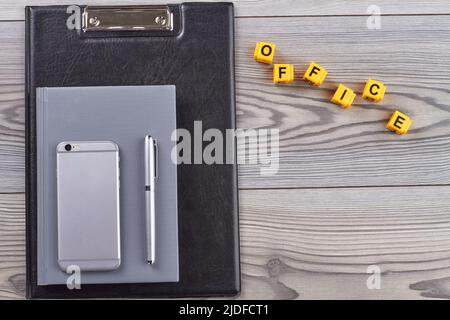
189	45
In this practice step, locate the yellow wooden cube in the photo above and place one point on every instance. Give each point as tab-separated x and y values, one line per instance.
283	73
343	96
315	74
399	123
374	90
264	52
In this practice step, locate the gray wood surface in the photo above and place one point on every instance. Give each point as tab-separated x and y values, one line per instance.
12	245
13	10
321	145
348	194
310	244
317	244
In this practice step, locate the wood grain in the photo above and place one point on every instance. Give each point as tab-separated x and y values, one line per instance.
12	62
14	10
12	246
12	138
276	280
312	244
321	145
307	243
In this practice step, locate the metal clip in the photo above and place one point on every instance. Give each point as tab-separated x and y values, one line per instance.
127	18
155	146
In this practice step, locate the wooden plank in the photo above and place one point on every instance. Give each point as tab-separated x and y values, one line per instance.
12	56
311	244
12	111
321	145
14	10
12	246
277	280
12	138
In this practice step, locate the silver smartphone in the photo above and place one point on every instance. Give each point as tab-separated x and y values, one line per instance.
88	205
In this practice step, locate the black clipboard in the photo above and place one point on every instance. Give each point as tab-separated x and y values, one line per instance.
189	45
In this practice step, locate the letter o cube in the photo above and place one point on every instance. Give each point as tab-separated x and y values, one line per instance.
264	52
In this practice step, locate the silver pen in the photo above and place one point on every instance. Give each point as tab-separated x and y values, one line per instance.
150	184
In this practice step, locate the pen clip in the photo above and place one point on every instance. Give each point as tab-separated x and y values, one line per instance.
155	148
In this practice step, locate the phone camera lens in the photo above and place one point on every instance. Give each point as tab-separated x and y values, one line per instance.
68	147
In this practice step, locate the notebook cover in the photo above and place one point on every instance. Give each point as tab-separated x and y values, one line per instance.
68	114
198	58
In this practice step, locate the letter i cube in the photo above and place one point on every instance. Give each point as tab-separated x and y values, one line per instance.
399	123
283	73
374	90
264	52
315	74
343	96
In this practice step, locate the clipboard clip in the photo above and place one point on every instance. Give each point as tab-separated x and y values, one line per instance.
127	18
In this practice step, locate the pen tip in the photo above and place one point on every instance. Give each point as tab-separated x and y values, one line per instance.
149	261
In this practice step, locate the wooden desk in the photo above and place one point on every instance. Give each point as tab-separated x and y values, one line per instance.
348	194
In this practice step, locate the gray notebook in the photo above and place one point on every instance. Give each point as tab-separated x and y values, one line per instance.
123	114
